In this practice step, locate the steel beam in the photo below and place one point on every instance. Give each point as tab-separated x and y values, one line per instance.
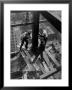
54	21
35	31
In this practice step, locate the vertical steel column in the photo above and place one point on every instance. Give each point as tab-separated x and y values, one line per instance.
35	31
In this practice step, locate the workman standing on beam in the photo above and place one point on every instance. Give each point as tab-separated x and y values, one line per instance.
24	39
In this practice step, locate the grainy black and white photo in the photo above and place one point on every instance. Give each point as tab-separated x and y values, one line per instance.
35	44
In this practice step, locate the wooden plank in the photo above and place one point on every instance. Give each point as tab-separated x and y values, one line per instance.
52	57
47	74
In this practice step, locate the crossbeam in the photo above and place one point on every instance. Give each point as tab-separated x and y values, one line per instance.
54	21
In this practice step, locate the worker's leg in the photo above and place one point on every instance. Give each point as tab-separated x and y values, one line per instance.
21	45
42	56
26	45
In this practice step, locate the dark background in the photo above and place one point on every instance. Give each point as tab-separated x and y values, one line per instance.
2	35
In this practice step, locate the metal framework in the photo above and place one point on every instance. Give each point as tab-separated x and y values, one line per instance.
35	30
